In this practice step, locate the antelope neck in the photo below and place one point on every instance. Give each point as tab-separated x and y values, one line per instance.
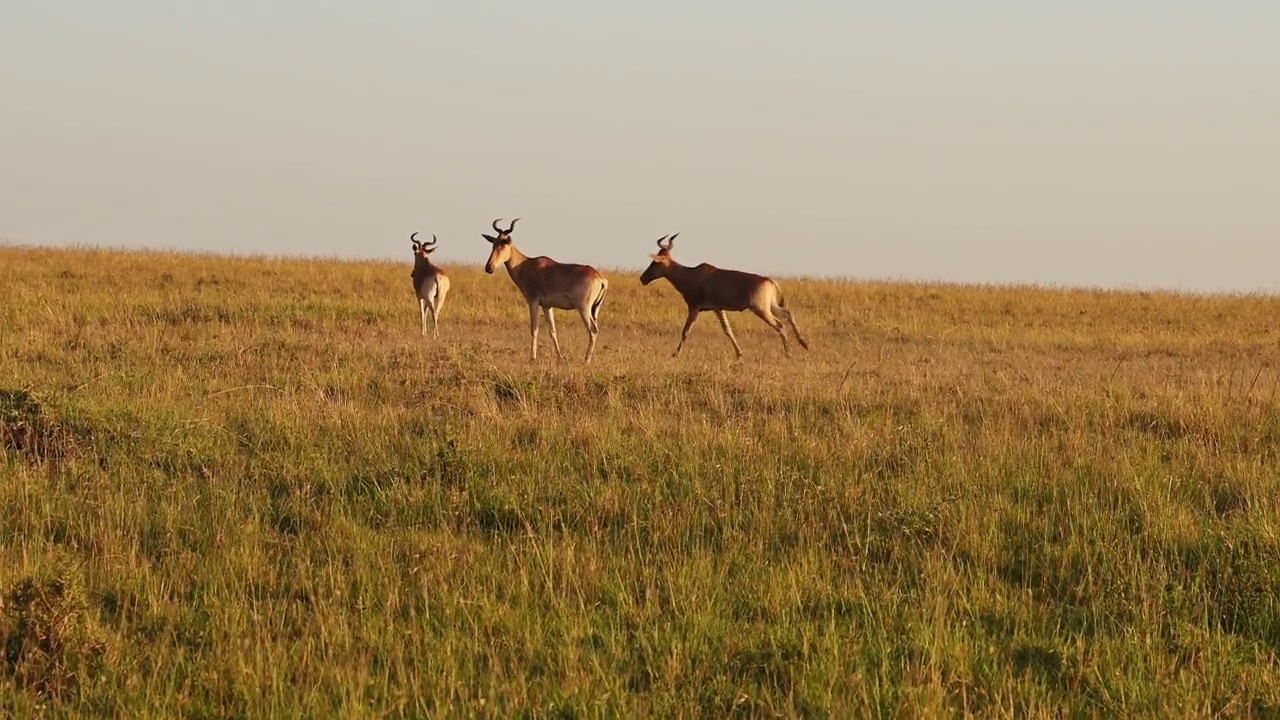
516	260
677	273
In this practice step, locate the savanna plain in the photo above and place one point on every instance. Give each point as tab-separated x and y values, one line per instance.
248	487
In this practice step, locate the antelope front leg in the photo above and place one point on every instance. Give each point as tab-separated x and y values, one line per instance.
422	314
533	331
724	323
551	325
684	334
435	322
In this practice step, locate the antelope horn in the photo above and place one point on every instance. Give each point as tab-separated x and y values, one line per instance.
660	245
671	241
500	231
433	241
412	237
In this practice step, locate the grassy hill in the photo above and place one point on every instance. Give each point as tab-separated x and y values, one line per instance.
248	487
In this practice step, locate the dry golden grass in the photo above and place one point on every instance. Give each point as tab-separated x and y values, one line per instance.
247	487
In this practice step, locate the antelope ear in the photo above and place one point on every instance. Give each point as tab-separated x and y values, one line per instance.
427	250
654	256
490	238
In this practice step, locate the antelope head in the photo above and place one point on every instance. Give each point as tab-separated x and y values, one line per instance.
661	260
501	245
423	249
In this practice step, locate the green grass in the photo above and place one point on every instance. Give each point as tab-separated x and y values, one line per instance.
247	487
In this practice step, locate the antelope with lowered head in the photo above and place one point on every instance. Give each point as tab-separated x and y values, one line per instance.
429	282
707	287
547	285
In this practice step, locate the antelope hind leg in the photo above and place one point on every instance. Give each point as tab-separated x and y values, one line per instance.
790	317
593	329
776	324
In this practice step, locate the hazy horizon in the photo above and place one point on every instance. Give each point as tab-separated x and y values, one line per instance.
1102	145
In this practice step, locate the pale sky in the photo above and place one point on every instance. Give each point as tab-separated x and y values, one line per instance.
1131	143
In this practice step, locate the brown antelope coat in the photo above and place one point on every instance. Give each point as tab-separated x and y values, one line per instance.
430	283
549	285
707	287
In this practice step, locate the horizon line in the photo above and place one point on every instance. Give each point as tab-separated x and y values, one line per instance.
7	244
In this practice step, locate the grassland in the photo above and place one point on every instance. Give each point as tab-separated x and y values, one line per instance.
248	488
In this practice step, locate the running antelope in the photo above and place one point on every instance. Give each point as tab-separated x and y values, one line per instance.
707	287
429	282
548	284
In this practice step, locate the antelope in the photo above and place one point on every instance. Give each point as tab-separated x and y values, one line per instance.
707	287
548	285
429	282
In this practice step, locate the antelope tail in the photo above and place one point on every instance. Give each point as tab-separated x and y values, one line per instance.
595	306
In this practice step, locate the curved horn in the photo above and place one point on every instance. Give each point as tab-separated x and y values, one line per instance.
500	231
660	245
671	241
433	241
413	237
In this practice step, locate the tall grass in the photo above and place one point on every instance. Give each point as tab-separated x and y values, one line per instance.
248	487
